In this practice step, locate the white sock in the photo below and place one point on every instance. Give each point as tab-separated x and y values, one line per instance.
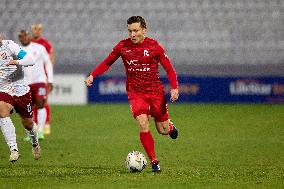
8	130
33	135
41	119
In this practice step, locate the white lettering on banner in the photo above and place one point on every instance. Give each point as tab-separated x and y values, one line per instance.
60	89
112	87
68	89
251	88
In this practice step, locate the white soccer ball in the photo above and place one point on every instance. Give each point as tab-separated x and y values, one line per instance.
135	161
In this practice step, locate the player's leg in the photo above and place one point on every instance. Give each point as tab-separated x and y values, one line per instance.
8	130
33	91
41	117
39	103
166	128
47	122
9	133
140	111
48	113
145	136
147	140
23	106
31	130
159	109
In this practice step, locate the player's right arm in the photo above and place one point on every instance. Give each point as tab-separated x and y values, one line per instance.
105	64
24	59
49	48
50	52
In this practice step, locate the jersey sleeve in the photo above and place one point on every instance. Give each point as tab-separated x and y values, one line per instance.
164	60
108	61
48	47
16	50
24	59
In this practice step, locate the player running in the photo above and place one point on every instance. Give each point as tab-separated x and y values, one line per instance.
36	77
37	38
15	93
141	56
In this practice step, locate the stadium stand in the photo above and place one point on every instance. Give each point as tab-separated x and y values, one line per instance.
199	35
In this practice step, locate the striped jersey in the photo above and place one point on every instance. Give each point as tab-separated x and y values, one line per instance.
12	77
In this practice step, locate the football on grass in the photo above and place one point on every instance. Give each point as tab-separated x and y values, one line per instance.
135	161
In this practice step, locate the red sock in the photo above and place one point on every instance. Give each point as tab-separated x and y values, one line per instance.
148	144
47	108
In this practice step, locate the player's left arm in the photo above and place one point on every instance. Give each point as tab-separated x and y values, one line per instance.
24	59
171	73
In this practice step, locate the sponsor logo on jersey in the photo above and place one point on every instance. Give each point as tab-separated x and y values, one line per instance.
132	62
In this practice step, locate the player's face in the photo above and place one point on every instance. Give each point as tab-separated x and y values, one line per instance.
24	38
136	32
36	31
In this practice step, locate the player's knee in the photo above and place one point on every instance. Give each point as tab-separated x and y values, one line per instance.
144	124
4	112
28	123
39	104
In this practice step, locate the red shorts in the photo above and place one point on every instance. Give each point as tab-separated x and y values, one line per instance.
38	91
22	104
149	104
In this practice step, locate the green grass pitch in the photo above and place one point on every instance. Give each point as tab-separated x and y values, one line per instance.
219	146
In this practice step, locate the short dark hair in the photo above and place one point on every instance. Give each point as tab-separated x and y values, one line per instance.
23	31
137	19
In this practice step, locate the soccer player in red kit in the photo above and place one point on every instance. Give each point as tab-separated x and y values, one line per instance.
37	38
141	56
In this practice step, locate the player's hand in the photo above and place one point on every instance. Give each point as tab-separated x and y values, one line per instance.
174	95
12	62
89	81
50	87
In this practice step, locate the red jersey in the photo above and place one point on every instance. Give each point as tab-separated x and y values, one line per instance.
141	63
45	43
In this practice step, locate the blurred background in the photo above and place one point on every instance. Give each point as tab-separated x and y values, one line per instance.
223	50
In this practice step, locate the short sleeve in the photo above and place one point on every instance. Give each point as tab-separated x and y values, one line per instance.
17	50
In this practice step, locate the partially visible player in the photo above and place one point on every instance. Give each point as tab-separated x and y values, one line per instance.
37	38
15	94
37	76
141	57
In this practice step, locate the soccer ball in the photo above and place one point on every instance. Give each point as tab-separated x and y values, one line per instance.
135	161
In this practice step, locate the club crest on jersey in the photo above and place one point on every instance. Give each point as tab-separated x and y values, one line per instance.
146	53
